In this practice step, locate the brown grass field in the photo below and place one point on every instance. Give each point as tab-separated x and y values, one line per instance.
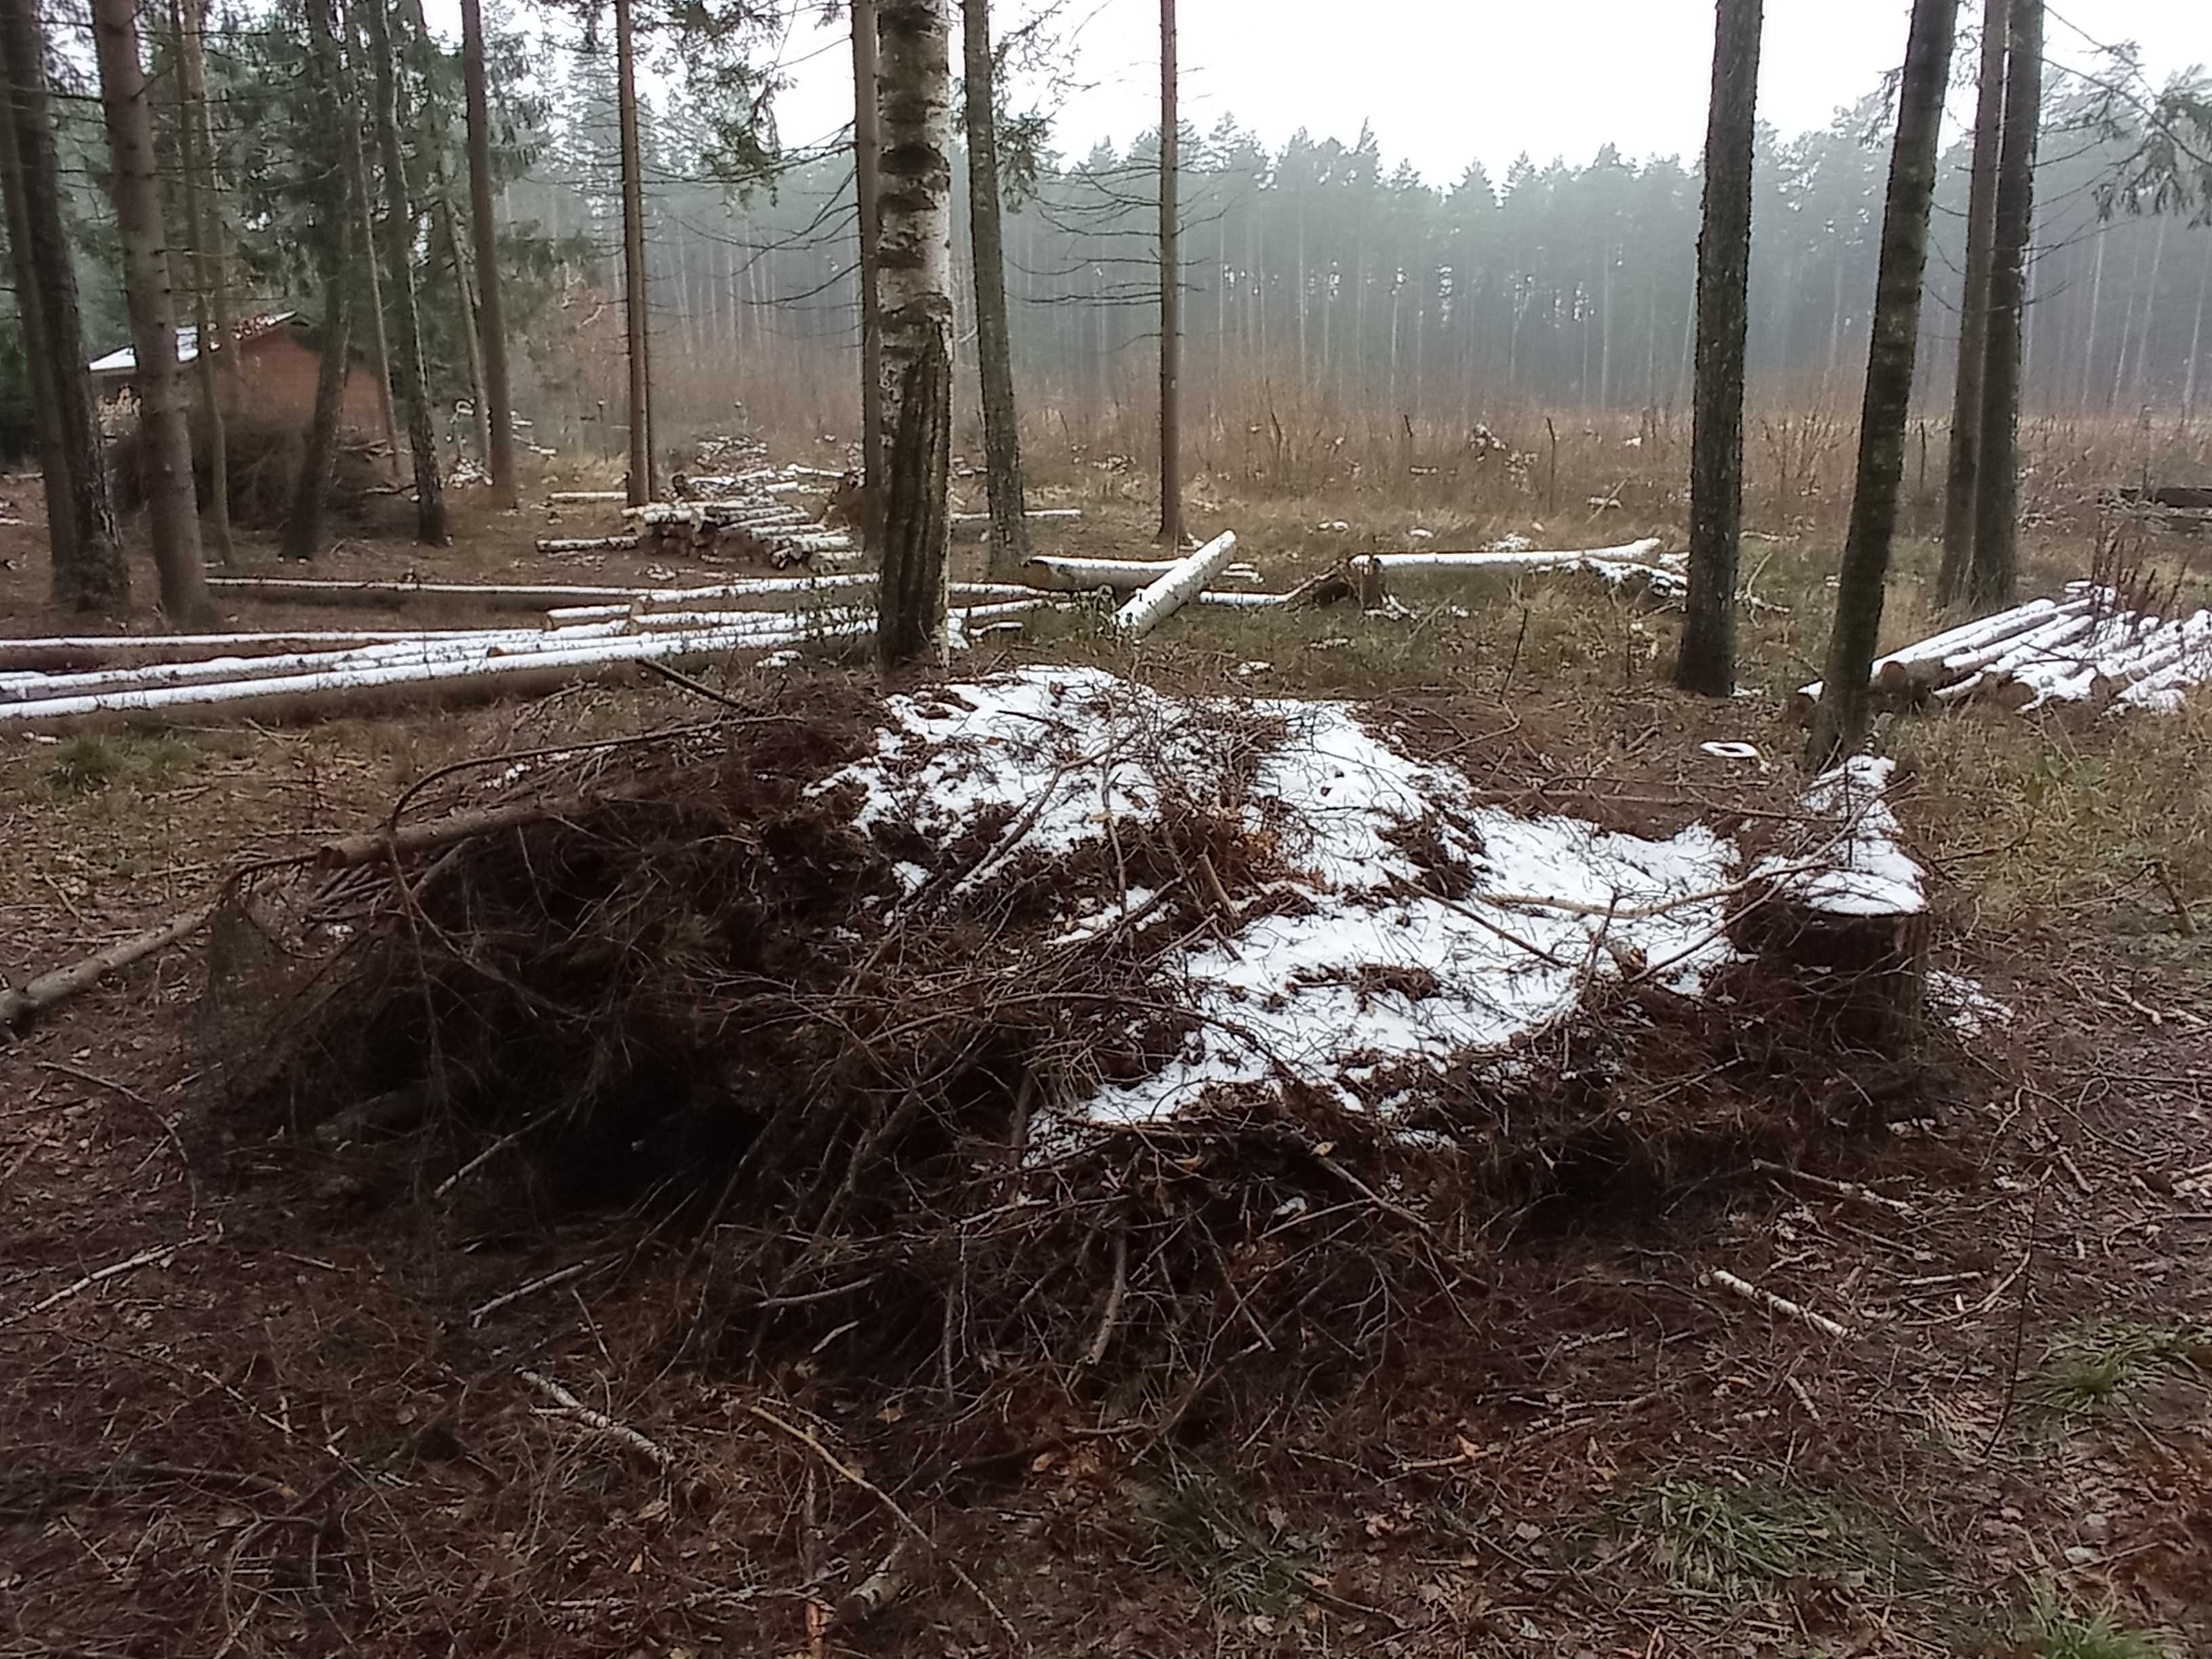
256	1400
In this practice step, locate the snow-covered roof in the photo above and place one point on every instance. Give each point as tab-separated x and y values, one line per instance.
126	361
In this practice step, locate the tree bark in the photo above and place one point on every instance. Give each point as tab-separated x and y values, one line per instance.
1170	292
39	360
360	202
303	527
915	286
636	296
196	146
1840	724
994	351
1964	471
90	573
1994	579
867	192
464	295
408	385
1707	663
491	326
172	512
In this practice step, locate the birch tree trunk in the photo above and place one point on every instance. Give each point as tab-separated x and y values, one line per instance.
407	379
339	201
913	75
1964	471
491	325
1994	579
995	349
1170	293
1707	663
867	190
171	512
1840	724
196	145
637	295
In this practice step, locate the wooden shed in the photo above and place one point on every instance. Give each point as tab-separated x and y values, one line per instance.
279	362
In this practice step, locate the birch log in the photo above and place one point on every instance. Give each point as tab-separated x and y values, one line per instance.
1175	587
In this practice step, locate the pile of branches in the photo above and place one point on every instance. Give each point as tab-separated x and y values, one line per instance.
263	463
677	980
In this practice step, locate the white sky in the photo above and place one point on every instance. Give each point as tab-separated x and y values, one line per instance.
1445	81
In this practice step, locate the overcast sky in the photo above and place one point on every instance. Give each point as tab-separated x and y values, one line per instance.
1445	81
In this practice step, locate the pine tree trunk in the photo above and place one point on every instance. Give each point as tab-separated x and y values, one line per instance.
89	570
1707	664
465	296
491	325
1170	292
360	202
914	285
867	192
2196	347
637	293
340	225
1994	578
1840	724
407	377
172	514
1963	471
994	351
196	154
38	356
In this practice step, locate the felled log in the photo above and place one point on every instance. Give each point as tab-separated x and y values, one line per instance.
1175	588
559	659
300	590
36	658
582	497
1638	552
20	1004
1066	572
587	544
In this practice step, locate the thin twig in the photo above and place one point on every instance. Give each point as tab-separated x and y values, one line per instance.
846	1472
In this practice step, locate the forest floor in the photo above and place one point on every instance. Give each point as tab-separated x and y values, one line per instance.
254	1400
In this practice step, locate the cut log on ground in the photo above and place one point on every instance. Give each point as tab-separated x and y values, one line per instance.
392	595
584	497
1175	588
21	1005
587	544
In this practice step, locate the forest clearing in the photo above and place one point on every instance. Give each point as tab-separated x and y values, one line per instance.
1343	974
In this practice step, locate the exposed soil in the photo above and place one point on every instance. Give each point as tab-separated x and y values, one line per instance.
259	1398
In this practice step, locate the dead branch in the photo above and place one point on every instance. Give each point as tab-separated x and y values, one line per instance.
651	1450
19	1005
1750	1292
915	1529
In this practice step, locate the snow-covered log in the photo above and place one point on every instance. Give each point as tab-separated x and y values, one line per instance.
1174	587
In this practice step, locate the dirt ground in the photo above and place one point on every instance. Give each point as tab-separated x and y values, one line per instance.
257	1401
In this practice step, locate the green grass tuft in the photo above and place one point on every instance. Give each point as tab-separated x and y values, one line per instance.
2087	1370
2059	1633
1206	1531
1737	1541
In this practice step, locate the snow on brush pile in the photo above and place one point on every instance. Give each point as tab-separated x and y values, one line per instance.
1370	963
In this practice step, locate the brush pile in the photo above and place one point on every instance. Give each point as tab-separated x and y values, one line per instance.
1041	1027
